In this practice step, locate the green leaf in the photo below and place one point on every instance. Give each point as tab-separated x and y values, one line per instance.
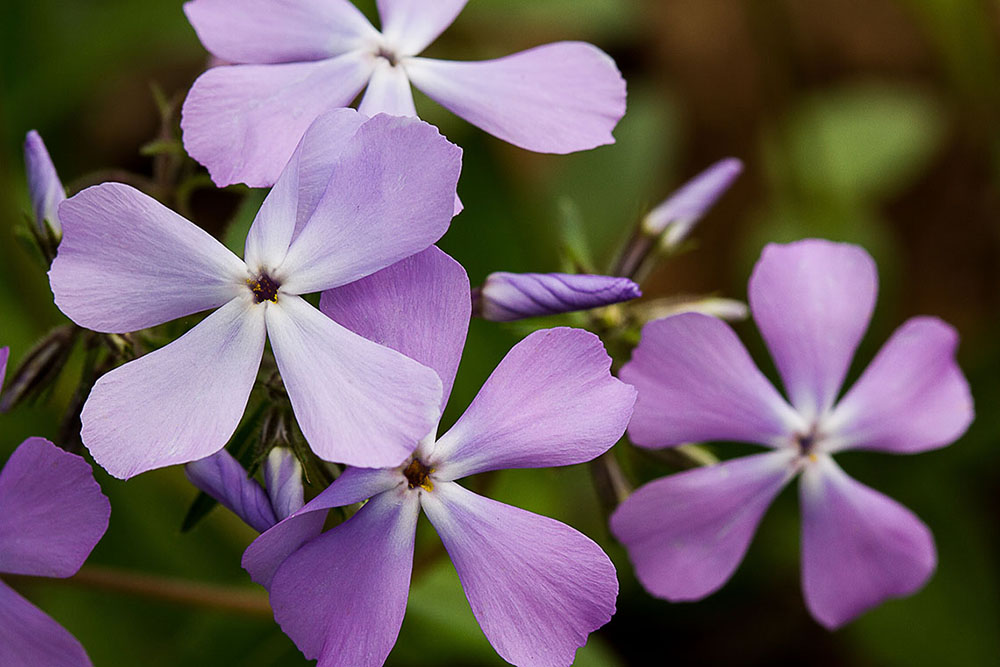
862	141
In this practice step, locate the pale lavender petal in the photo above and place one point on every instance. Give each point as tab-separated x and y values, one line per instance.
551	401
243	121
388	92
279	31
557	98
505	297
127	262
356	402
687	533
691	201
181	402
263	557
391	195
859	548
283	480
53	511
222	477
31	638
292	200
537	587
419	306
44	186
697	382
342	596
812	301
912	397
409	26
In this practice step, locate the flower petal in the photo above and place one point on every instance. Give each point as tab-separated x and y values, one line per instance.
29	636
53	511
409	26
697	382
283	481
419	306
537	587
126	262
388	92
263	557
505	297
551	401
342	596
557	98
912	397
181	402
391	194
812	301
859	547
243	121
44	186
292	200
357	402
222	477
687	533
278	31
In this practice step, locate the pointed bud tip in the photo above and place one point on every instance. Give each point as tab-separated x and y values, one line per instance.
678	214
44	187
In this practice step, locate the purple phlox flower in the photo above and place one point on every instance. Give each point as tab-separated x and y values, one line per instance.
677	216
44	186
812	300
536	586
296	60
357	196
53	515
513	296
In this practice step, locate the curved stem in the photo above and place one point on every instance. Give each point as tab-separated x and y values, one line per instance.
176	590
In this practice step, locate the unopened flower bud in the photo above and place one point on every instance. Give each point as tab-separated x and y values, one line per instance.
283	480
512	296
222	477
44	187
731	310
40	368
677	216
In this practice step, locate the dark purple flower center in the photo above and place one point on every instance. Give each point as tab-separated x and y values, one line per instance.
383	52
264	288
806	443
418	475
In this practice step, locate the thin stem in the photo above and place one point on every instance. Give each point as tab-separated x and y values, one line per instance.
234	599
609	480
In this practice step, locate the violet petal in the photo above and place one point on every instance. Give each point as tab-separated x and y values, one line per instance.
552	401
537	587
418	306
687	533
859	547
53	511
556	98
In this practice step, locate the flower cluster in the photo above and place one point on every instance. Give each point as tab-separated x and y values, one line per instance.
354	385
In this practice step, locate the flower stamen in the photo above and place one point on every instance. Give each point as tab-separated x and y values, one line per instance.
417	474
264	288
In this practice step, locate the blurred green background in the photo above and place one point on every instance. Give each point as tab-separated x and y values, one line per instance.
875	122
